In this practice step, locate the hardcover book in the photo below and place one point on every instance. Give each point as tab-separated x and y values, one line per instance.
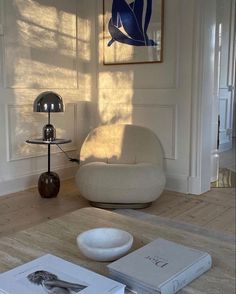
161	266
51	274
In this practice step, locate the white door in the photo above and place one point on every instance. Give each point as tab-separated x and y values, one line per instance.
226	18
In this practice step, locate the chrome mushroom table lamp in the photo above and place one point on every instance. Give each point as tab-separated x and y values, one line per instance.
49	182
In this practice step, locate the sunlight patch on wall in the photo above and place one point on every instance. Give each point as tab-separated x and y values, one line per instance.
112	113
115	87
40	44
24	124
105	144
116	79
85	47
115	106
84	39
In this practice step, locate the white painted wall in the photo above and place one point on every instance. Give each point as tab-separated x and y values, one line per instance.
203	97
43	45
156	95
165	96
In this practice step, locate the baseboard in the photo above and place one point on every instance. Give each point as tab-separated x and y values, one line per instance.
196	187
29	181
177	183
185	184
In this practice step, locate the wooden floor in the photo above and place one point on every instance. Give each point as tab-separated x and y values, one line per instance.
25	209
214	209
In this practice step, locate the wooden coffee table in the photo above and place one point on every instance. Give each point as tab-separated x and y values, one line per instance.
58	237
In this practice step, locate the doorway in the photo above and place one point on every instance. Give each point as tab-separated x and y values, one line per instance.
225	81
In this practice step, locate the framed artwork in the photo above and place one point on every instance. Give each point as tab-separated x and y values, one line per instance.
132	31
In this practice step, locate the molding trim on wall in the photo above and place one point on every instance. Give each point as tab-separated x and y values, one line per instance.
224	103
225	146
1	15
1	43
152	116
62	65
202	96
177	56
20	116
1	62
172	154
30	180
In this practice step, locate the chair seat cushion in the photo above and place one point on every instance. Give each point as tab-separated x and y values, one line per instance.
120	183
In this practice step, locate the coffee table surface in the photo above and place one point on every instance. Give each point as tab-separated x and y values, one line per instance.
58	237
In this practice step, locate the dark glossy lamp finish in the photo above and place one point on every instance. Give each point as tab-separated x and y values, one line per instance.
49	182
48	102
48	185
49	133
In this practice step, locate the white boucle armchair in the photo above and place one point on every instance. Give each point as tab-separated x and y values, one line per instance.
121	166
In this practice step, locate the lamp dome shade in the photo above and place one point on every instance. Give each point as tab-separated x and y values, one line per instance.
48	102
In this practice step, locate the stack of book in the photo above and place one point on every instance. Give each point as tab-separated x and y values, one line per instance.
51	274
161	267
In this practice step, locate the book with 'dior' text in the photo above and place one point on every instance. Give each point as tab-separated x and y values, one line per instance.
161	266
51	274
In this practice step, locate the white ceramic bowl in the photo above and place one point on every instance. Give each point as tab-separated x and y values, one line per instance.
104	244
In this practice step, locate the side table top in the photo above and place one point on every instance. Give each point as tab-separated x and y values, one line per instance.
54	142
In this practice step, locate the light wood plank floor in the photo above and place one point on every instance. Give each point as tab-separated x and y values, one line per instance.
24	209
214	209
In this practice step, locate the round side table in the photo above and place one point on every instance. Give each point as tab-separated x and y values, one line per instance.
49	182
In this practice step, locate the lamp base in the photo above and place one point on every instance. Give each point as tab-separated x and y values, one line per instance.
49	133
48	185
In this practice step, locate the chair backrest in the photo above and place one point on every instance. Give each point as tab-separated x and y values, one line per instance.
120	143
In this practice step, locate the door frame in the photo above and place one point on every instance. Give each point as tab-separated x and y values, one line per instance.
203	96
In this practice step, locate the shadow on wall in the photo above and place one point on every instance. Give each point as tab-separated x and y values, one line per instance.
119	144
41	45
44	48
118	85
48	46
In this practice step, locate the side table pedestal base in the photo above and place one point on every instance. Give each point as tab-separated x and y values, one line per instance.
48	184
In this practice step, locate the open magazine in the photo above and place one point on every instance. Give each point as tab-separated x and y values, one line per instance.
50	274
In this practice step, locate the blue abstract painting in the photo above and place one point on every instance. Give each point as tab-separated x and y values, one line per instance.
134	20
136	24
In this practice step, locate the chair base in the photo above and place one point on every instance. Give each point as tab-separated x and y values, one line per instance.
120	205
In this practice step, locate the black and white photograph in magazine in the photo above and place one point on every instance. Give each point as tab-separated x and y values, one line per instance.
50	281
